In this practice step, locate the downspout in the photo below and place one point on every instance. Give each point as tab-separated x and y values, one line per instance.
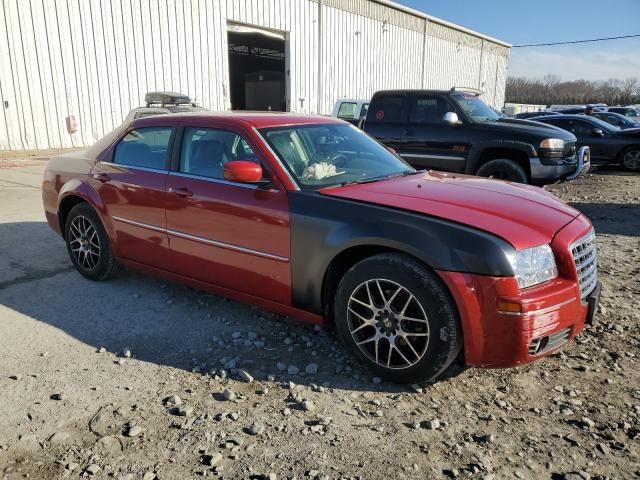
319	101
424	53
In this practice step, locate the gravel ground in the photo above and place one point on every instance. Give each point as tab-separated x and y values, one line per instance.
137	379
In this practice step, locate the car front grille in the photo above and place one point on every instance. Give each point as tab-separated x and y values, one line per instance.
585	256
541	345
570	149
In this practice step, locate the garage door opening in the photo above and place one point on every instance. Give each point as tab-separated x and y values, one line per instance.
257	68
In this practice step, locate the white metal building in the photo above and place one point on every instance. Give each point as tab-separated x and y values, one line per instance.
96	59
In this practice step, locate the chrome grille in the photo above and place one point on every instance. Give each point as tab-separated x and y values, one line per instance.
542	345
585	257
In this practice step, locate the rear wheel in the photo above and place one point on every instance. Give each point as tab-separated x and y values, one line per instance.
503	169
88	244
397	317
631	158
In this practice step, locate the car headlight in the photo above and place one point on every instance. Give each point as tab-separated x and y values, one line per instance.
534	265
552	144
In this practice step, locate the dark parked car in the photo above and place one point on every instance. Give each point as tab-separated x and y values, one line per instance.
626	111
617	120
454	130
162	103
310	217
525	115
608	144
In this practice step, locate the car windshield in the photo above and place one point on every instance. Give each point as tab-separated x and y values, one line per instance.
320	156
475	108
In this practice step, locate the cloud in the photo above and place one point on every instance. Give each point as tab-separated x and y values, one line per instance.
590	61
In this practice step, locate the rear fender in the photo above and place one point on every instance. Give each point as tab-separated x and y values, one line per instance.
83	189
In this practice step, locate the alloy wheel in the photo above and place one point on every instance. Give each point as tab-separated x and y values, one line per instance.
388	323
631	160
84	242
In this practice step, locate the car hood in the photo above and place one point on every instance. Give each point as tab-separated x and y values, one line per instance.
522	215
529	127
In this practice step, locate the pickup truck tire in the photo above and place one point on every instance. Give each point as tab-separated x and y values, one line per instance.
503	169
630	158
398	318
88	244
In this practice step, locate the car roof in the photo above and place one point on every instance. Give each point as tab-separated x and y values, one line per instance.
420	91
248	119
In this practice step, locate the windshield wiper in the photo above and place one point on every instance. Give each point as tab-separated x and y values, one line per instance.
377	179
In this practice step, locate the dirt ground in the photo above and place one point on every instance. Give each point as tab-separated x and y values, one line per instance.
73	405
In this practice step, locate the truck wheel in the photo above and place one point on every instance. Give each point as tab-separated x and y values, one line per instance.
88	244
503	169
630	158
398	318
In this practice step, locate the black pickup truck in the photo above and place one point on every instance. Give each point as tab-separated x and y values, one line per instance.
454	130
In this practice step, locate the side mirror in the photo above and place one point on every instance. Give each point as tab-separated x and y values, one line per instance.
242	171
451	118
598	132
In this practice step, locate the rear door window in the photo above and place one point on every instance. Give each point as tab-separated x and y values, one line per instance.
387	108
144	147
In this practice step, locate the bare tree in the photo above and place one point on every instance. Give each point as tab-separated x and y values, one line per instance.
552	90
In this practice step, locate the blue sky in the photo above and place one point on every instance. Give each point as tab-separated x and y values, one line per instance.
540	21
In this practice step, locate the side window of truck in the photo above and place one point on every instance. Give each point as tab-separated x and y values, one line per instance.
347	110
429	109
386	109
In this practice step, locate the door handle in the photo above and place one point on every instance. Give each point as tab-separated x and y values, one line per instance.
408	131
181	192
102	177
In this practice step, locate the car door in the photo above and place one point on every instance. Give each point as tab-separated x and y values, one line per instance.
131	183
595	137
386	119
233	235
428	142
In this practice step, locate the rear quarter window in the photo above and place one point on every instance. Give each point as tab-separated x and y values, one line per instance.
387	108
144	147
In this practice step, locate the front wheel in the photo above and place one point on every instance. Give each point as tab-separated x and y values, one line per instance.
88	244
631	159
398	318
503	169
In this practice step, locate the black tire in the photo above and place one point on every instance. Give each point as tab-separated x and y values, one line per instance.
95	266
434	352
630	158
503	169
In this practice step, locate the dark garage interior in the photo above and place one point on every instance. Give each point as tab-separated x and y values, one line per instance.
256	69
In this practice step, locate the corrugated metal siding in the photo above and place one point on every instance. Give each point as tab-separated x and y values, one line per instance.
96	59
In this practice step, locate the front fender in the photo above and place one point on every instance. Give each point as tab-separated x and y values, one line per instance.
322	227
475	154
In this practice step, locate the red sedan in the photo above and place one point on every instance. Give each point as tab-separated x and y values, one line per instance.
308	216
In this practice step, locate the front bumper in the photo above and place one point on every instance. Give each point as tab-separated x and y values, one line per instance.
562	169
548	315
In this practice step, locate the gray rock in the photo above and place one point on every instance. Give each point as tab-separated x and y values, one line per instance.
185	411
245	376
173	400
59	438
308	405
231	364
376	380
281	366
102	350
71	466
92	469
57	396
228	395
212	460
255	429
149	476
133	431
433	424
126	353
293	370
587	422
234	416
311	369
